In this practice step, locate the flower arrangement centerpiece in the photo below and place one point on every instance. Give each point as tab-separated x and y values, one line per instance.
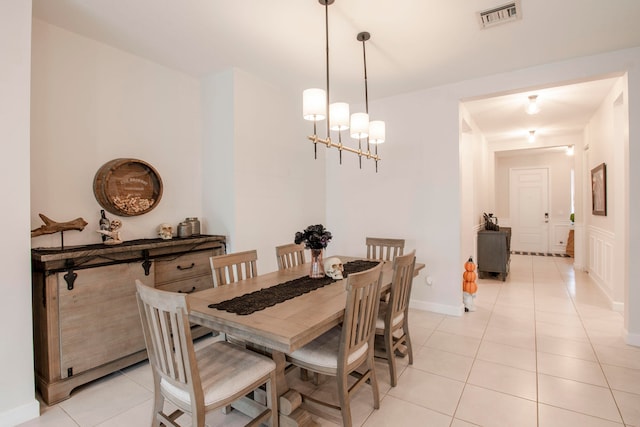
316	238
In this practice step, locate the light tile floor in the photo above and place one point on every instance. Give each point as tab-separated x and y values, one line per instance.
543	349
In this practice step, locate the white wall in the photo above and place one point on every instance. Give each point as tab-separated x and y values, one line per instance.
606	236
559	166
218	179
17	397
417	193
93	103
138	109
632	145
414	196
476	191
268	185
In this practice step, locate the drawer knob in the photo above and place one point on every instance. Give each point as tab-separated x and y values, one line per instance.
181	268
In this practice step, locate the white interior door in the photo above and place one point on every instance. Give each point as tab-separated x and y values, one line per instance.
529	209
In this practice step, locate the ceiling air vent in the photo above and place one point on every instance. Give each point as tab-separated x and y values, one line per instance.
500	14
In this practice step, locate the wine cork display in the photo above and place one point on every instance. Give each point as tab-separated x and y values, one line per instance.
127	187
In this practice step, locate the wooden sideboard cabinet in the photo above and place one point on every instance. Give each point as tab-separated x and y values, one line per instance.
85	314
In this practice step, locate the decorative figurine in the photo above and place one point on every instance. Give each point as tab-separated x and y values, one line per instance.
50	226
165	231
113	234
469	286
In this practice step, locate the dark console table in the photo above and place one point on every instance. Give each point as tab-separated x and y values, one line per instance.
494	253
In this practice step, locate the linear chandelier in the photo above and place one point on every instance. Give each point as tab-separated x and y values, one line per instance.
314	107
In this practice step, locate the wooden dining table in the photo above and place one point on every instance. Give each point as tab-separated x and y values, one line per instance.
283	327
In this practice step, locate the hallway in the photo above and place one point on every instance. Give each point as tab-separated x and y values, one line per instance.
542	349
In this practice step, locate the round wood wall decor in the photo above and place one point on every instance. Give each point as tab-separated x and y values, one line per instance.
127	187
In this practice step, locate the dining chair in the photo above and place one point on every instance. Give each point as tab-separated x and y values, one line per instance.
392	322
343	349
290	255
197	381
386	250
230	268
383	248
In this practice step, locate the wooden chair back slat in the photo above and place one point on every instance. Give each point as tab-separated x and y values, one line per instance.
231	268
383	248
167	332
363	294
401	285
396	317
290	255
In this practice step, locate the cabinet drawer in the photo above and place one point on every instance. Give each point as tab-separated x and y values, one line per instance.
187	286
174	268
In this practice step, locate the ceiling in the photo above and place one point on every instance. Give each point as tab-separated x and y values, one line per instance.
563	110
415	44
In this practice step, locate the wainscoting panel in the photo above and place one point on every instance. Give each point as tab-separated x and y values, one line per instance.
601	258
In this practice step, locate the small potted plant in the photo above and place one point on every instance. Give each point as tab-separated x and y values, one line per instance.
315	238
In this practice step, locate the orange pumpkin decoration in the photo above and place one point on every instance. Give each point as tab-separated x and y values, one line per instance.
469	265
470	287
469	277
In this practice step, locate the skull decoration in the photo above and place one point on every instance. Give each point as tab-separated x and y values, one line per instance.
165	231
112	234
333	267
115	225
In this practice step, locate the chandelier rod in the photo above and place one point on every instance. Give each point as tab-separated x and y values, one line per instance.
326	4
363	37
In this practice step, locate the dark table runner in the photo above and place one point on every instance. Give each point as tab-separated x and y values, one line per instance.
267	297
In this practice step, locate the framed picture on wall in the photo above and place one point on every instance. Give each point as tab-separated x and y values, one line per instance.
599	190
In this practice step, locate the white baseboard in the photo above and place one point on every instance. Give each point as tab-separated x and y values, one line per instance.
20	414
617	306
437	308
632	339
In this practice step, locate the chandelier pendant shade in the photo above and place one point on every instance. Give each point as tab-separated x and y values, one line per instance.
316	106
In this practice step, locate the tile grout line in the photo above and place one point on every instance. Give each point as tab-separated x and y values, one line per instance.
475	356
584	328
535	343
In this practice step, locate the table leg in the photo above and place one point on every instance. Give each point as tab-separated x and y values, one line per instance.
291	414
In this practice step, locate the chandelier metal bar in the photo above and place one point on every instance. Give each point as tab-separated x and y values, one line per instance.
341	147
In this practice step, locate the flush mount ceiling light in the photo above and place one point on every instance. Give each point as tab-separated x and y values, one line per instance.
532	106
314	107
532	135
